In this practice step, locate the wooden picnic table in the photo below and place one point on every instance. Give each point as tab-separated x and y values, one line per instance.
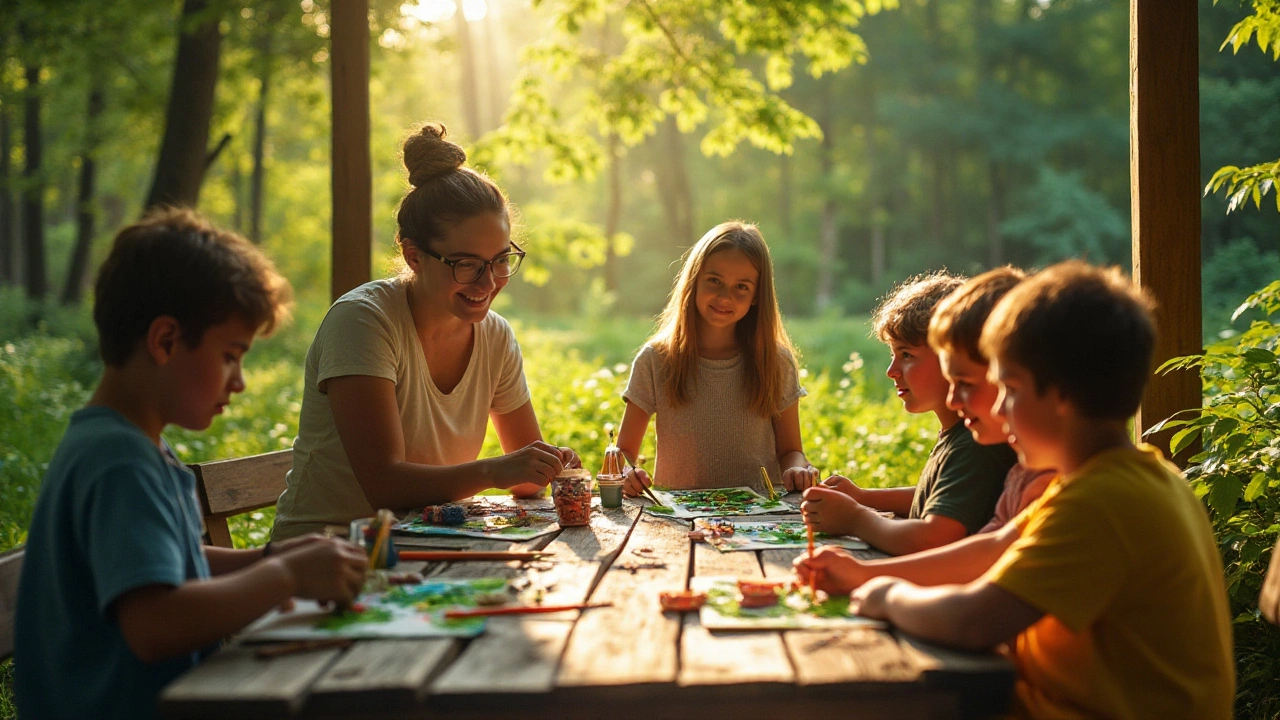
628	660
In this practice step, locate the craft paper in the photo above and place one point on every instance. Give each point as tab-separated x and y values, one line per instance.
716	502
487	519
793	611
403	611
768	535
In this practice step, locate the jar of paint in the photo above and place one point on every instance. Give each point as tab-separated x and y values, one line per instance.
610	486
571	493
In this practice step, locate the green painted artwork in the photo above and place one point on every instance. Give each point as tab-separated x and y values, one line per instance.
794	609
482	517
401	611
729	535
715	502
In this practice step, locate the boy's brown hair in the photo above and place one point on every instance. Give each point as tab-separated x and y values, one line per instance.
904	314
957	321
1084	330
174	262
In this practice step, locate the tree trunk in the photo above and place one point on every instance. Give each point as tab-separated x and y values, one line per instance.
467	78
613	215
8	267
33	192
995	215
266	41
494	83
785	220
86	212
673	186
828	229
184	149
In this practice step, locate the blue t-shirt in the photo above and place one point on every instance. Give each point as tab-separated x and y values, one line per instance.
115	513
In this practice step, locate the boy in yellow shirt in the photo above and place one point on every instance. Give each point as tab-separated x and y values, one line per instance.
1110	586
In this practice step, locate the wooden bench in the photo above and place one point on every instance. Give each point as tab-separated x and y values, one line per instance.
236	486
10	569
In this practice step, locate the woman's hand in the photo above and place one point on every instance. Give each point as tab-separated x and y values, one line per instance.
569	458
634	481
536	463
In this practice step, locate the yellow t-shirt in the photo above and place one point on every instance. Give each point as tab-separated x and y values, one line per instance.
1122	560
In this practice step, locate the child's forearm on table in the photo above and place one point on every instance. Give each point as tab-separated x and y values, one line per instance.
895	500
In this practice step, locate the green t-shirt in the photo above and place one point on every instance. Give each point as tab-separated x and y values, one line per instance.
962	480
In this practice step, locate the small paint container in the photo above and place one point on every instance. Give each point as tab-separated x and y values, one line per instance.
571	493
610	490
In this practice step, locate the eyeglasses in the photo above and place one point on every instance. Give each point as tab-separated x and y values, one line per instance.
469	270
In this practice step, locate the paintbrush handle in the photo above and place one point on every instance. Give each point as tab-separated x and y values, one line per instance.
519	610
464	555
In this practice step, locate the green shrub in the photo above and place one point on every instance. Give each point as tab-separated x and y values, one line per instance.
1236	475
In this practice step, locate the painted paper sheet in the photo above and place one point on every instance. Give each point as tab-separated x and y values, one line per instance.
486	518
402	611
715	502
728	535
794	611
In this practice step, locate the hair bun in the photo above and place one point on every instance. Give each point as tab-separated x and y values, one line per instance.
428	155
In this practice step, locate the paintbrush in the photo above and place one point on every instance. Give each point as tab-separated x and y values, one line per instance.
464	555
773	495
519	610
813	573
647	492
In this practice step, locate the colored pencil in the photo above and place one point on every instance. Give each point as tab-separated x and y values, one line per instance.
298	646
465	555
813	573
519	610
773	495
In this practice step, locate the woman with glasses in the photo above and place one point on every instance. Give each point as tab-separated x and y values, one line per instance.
405	373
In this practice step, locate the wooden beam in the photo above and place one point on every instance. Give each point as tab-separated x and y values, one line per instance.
352	170
1164	155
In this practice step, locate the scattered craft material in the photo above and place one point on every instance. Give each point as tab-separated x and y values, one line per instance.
790	608
490	518
733	534
632	566
715	502
761	593
682	600
444	514
400	611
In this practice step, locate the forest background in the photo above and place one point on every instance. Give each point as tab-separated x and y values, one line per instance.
869	140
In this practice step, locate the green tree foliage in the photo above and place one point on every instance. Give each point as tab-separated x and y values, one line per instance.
1237	478
1254	182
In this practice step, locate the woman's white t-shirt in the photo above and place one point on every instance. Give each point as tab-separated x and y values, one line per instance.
370	331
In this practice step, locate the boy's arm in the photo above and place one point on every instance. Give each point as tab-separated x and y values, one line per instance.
976	616
160	622
895	500
839	572
902	536
224	560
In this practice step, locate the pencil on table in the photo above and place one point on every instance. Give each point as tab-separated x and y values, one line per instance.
813	573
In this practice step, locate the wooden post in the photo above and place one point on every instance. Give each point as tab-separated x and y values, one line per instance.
1164	155
352	172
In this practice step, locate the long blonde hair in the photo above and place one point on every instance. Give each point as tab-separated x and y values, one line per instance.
764	341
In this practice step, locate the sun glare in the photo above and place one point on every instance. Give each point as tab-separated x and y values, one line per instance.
437	11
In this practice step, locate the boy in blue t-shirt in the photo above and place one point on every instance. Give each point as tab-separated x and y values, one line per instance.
117	597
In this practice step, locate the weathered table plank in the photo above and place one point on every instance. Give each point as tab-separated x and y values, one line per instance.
520	655
753	659
382	673
233	683
633	642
